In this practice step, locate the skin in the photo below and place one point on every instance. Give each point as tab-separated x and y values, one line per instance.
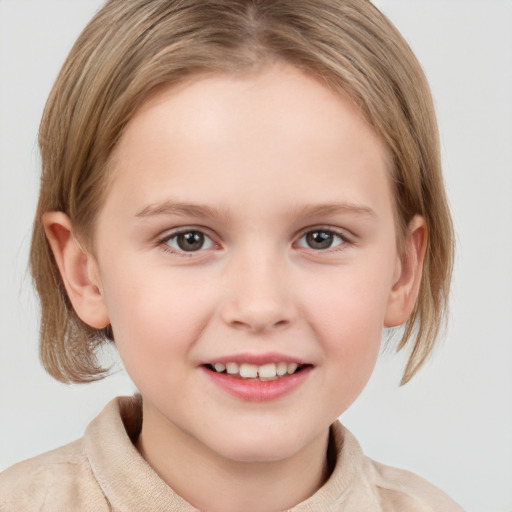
262	155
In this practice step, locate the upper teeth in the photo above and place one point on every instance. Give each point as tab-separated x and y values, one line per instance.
265	371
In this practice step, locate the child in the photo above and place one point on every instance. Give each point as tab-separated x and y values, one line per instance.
240	195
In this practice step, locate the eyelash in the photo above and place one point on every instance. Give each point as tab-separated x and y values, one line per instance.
164	242
334	233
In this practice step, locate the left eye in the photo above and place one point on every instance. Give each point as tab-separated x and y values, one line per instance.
189	241
320	239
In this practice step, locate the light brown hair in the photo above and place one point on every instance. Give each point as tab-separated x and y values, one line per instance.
133	46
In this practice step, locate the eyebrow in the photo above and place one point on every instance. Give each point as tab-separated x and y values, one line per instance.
170	207
315	210
175	208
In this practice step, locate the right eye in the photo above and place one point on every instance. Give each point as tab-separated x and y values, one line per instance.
188	241
321	239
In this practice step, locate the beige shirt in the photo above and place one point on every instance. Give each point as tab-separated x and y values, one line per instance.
103	471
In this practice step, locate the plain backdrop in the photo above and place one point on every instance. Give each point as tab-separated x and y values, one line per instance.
453	422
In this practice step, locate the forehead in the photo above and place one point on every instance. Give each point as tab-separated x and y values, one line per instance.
258	133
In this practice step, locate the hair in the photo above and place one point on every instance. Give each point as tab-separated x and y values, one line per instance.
131	47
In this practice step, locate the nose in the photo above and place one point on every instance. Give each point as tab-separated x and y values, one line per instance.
259	297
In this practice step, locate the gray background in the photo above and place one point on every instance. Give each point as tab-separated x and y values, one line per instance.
453	422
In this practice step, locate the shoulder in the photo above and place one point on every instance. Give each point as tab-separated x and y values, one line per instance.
403	490
61	479
359	483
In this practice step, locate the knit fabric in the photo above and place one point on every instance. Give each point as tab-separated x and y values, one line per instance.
103	472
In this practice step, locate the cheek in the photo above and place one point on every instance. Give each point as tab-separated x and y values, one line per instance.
350	302
155	316
347	313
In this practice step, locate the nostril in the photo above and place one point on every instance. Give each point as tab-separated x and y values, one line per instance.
253	315
259	326
240	325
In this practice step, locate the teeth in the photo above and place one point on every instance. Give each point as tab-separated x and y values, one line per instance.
282	369
232	368
269	371
248	371
292	367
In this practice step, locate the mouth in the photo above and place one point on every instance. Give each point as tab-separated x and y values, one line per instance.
262	373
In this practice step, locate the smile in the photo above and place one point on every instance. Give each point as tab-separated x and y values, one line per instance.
255	378
265	372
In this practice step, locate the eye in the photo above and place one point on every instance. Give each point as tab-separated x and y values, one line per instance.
320	239
188	241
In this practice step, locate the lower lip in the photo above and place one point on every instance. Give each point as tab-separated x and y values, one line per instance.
255	390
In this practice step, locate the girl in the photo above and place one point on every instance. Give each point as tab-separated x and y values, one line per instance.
240	195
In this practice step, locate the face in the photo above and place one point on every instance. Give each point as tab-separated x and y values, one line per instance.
246	256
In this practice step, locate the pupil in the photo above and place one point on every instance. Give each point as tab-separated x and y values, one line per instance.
319	239
191	241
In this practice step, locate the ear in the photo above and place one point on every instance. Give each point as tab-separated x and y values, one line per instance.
408	275
78	269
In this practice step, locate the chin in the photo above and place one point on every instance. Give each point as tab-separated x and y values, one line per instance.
261	446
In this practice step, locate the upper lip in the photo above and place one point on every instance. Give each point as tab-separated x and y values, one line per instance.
256	359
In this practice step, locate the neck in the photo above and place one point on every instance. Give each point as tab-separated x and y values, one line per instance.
211	482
